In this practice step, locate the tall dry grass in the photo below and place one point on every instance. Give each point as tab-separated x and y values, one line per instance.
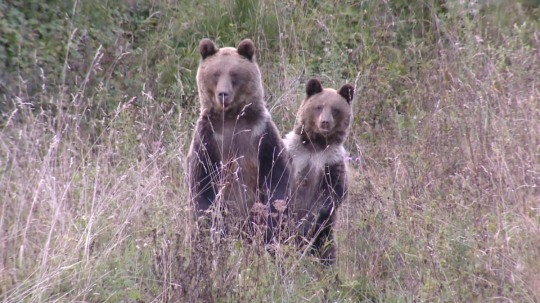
443	201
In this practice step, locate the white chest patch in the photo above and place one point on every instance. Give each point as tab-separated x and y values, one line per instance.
303	156
258	129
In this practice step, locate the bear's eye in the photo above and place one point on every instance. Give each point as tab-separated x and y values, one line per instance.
319	108
234	78
335	112
216	74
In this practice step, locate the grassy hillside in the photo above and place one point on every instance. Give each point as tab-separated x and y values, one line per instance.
97	104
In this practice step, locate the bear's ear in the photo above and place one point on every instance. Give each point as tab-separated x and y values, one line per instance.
347	92
207	48
313	87
246	49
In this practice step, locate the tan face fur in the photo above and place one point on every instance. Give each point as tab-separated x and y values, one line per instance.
228	78
325	111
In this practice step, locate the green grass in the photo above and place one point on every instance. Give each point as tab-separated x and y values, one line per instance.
97	105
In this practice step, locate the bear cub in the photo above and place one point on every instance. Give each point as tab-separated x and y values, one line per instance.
318	173
236	158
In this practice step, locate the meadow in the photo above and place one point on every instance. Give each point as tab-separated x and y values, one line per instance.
97	105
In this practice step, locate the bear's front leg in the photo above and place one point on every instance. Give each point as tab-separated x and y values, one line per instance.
273	175
203	167
333	192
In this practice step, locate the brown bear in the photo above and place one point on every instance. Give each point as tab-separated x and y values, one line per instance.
318	173
237	157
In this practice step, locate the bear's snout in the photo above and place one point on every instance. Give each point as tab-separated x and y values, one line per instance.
325	125
224	92
326	120
224	98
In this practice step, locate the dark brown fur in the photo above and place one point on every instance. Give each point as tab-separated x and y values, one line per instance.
318	162
236	156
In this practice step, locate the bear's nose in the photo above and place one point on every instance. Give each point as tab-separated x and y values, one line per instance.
223	98
325	125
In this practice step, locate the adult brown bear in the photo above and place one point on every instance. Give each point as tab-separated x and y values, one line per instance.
237	157
318	162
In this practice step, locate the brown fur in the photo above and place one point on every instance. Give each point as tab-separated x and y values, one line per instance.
236	155
324	106
318	160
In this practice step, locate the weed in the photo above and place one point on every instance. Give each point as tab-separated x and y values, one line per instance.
97	105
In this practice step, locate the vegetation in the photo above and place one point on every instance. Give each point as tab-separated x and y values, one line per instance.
97	104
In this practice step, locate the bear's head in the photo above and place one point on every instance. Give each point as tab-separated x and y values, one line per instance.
325	114
228	79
